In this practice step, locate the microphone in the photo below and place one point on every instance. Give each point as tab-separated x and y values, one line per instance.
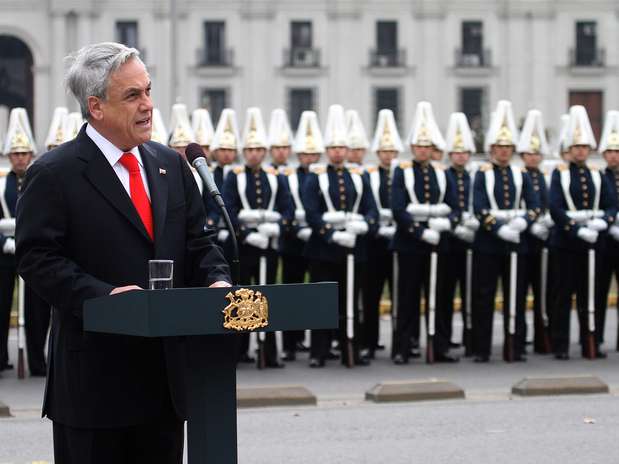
196	158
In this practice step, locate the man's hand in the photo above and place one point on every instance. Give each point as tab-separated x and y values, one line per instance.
220	284
127	288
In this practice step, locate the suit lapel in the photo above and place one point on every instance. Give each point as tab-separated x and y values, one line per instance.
158	185
102	176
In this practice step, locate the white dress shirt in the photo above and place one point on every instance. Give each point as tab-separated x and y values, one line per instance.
113	155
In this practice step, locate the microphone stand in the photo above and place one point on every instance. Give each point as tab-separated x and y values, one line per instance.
236	267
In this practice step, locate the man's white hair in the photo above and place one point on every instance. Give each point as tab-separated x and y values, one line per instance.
90	69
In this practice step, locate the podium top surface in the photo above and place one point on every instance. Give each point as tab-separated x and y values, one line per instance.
199	311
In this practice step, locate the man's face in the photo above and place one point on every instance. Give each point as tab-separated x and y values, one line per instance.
612	158
459	158
207	152
254	156
224	156
20	162
531	160
386	157
337	155
280	155
579	153
437	155
124	115
421	153
355	155
502	154
308	158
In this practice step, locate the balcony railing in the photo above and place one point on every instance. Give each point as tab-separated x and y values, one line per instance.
593	57
302	58
387	58
223	57
473	59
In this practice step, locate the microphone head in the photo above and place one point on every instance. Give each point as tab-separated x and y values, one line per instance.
193	151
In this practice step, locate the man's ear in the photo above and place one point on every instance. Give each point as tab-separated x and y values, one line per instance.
95	108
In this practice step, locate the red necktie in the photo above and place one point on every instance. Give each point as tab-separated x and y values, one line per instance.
138	192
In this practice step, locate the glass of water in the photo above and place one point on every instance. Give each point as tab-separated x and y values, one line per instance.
160	274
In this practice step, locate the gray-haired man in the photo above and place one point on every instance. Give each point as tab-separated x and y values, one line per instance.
105	204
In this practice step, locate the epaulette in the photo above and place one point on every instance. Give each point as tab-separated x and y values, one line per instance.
562	167
371	169
485	167
355	170
238	169
4	173
270	170
318	168
289	171
406	164
438	165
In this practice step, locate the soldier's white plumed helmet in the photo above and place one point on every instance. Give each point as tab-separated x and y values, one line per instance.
280	134
254	132
55	134
19	137
159	132
386	135
309	137
181	133
357	137
202	127
533	135
227	132
502	130
459	135
579	131
336	134
610	134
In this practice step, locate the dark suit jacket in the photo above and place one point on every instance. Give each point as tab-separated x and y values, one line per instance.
79	236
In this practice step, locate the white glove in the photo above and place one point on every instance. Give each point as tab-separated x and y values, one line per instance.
357	227
386	231
249	215
471	222
257	240
508	234
304	234
578	216
540	231
385	214
440	210
431	236
272	216
588	235
299	215
269	229
519	224
345	239
439	224
418	211
614	232
597	224
354	217
546	220
7	226
9	246
465	234
334	217
222	235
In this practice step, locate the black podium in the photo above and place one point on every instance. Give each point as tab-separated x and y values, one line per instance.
198	313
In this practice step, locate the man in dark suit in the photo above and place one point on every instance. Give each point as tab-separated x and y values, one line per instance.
106	203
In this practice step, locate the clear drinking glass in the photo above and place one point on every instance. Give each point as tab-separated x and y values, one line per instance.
160	274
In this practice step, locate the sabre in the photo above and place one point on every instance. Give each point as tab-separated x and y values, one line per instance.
21	336
468	317
431	307
508	353
262	278
394	303
350	298
543	295
591	306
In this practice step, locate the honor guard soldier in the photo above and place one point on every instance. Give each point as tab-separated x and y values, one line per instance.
159	133
55	134
499	189
20	148
424	206
261	210
358	143
74	123
280	140
582	207
387	145
341	212
456	261
609	260
533	148
224	151
202	127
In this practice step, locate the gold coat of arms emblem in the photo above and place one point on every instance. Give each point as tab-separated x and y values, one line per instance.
247	310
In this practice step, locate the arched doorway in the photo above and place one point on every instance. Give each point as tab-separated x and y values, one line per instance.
16	79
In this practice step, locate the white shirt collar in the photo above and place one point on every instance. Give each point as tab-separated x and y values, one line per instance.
111	152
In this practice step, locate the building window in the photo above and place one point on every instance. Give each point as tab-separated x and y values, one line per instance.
472	53
299	100
387	99
386	53
587	53
215	52
593	101
301	53
472	103
127	33
214	100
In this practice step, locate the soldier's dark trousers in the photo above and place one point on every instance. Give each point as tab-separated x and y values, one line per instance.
293	272
487	269
250	274
607	264
7	286
37	315
533	280
321	271
379	270
452	272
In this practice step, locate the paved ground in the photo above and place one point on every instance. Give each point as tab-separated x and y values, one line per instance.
487	427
